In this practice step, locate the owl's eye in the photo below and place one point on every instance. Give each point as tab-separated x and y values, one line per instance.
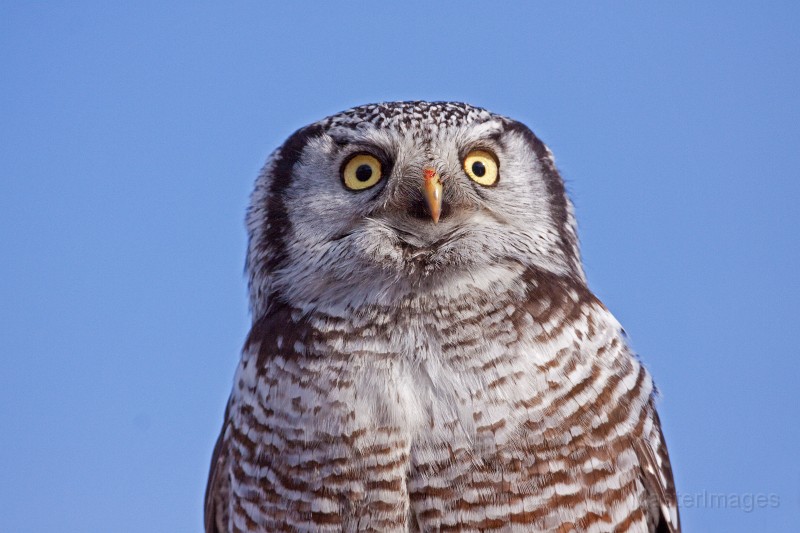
361	171
481	167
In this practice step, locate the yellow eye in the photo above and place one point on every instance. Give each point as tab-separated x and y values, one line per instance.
361	172
481	167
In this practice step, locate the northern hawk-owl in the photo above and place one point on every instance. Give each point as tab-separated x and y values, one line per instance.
425	354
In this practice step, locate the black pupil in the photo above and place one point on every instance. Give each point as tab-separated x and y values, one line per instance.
478	169
363	172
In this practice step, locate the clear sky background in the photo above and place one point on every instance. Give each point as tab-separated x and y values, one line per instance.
130	136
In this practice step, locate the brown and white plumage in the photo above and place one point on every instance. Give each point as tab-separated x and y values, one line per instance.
406	375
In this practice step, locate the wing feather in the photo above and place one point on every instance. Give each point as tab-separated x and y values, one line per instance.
217	486
656	473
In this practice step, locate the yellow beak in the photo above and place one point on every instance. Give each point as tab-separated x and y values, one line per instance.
432	191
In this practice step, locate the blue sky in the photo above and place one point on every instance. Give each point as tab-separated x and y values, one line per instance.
132	133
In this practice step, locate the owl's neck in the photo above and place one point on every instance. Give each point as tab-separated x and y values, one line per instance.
509	295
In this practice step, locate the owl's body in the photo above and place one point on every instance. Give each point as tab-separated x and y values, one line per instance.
408	375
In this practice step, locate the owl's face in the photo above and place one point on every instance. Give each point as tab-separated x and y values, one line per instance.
382	200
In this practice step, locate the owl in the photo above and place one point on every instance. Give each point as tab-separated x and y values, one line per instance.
425	354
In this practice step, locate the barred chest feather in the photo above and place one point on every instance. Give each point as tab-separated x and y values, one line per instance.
497	408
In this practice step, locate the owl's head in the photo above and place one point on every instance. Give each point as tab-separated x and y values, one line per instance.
385	200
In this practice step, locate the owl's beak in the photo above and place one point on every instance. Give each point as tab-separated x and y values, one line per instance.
432	191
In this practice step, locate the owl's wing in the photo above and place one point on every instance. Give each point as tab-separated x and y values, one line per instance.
656	476
218	484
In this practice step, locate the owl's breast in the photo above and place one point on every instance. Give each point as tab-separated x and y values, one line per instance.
354	411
